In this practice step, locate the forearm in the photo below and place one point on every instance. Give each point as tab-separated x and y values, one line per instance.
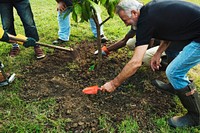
163	46
122	42
132	66
129	69
117	45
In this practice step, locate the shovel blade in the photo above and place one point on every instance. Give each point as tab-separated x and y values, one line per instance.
91	90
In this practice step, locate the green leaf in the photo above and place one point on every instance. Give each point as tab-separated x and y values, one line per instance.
95	6
92	67
86	11
70	8
111	10
78	9
74	16
103	2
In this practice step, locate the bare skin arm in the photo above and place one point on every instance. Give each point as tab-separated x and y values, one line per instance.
155	60
129	69
122	42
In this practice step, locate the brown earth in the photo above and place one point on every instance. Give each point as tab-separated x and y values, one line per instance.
63	75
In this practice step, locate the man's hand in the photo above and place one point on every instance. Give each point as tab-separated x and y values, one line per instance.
108	87
156	59
155	62
29	42
104	51
61	6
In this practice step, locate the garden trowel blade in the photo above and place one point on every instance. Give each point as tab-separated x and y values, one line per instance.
91	90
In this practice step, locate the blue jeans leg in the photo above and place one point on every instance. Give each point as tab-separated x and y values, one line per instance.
64	26
7	17
179	67
93	26
25	13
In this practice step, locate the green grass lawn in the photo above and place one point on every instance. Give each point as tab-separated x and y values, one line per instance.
18	115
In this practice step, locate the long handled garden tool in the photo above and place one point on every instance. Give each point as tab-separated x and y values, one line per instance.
7	80
91	90
43	44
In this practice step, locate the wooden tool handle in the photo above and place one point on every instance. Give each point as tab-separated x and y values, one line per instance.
42	44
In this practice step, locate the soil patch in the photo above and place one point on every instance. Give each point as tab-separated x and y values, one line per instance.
63	75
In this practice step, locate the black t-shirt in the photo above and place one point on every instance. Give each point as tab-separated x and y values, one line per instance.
68	2
168	20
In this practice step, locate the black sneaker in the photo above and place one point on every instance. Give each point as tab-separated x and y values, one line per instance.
59	41
103	39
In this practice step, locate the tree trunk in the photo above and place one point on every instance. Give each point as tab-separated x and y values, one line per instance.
98	41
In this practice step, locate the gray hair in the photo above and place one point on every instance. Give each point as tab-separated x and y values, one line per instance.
128	6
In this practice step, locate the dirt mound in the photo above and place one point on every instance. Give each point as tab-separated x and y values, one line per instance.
63	75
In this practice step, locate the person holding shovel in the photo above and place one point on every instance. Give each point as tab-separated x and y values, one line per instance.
159	19
25	13
5	79
63	7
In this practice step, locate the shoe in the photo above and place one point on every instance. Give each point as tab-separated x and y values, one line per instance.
164	87
103	39
3	80
38	52
14	51
59	41
131	43
2	77
6	78
190	100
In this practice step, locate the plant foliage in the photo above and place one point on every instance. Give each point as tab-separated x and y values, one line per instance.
83	10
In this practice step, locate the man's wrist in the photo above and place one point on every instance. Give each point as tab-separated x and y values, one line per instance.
158	53
116	82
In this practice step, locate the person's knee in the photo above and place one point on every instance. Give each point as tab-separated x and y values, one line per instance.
169	73
146	60
131	43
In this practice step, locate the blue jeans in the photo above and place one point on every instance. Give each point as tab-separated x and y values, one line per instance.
179	67
24	11
64	26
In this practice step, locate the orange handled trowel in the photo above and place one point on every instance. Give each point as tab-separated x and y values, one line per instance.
91	90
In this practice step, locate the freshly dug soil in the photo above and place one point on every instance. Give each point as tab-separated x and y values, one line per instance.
63	75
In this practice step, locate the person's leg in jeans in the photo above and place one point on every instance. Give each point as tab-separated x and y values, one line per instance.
94	29
24	11
7	19
178	68
185	90
172	51
64	27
